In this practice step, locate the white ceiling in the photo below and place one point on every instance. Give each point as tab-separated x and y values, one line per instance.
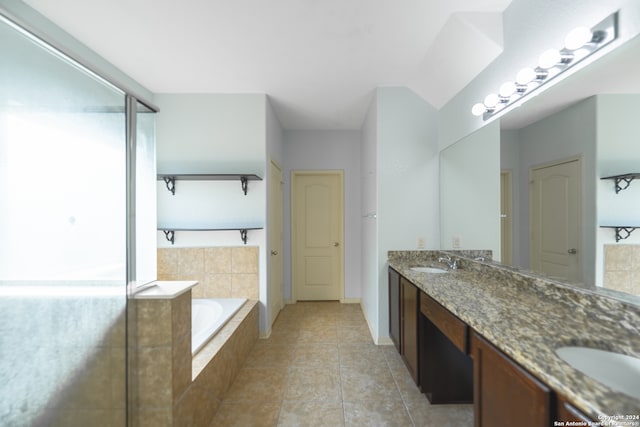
318	60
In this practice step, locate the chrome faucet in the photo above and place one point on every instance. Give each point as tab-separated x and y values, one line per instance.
451	263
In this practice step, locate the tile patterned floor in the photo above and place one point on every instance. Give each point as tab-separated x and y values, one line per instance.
321	368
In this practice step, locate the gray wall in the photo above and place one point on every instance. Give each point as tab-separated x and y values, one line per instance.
324	150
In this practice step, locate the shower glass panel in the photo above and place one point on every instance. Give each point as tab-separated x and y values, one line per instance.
146	213
62	240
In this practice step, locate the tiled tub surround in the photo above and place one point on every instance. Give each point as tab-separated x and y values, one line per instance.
622	268
223	272
527	317
174	388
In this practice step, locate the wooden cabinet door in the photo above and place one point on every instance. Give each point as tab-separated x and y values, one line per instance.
504	393
394	308
409	325
565	412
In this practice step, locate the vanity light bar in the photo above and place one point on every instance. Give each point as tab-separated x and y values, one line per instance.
579	44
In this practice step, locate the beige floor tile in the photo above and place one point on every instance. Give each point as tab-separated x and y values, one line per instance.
319	333
320	367
367	383
246	414
313	355
295	413
425	414
258	385
270	355
406	386
379	413
350	334
361	355
313	384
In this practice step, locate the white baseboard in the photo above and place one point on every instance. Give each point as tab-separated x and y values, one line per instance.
384	341
350	301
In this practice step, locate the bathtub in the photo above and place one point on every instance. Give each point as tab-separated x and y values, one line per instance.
208	316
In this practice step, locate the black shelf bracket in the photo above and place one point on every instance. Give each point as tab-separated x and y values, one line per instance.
623	232
170	182
622	182
243	235
623	179
244	182
170	235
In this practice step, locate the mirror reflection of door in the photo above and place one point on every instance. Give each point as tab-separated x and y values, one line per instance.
317	235
506	218
556	220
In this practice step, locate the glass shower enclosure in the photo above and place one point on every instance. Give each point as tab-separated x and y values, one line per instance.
77	234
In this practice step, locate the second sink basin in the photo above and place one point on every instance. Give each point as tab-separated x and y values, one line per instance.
428	270
618	371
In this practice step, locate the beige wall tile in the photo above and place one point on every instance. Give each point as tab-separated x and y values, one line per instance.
635	283
203	406
244	259
181	317
191	263
181	366
118	378
198	290
217	260
635	258
167	262
217	286
154	322
618	280
183	410
617	258
154	377
245	286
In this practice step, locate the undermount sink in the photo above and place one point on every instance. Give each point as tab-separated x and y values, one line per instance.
428	270
618	371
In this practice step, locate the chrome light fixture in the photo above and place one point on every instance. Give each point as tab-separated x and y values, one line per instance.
579	44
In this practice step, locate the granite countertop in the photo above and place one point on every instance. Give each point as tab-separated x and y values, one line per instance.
528	317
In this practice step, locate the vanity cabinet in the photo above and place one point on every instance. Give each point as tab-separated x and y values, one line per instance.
394	308
566	412
410	297
446	370
505	394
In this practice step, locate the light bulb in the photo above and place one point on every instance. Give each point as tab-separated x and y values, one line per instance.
549	58
507	89
525	76
491	100
478	109
577	38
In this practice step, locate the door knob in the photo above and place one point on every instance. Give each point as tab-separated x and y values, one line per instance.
573	251
336	244
274	252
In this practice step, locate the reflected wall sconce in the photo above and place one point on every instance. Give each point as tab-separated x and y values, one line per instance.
579	44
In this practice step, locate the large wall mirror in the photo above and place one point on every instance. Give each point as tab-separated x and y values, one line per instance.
542	203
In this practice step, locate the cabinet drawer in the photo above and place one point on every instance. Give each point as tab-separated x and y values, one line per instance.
455	329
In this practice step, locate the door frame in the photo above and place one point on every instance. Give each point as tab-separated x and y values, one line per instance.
271	237
294	175
552	163
506	216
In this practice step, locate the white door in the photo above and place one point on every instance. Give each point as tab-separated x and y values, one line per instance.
556	218
275	241
317	235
